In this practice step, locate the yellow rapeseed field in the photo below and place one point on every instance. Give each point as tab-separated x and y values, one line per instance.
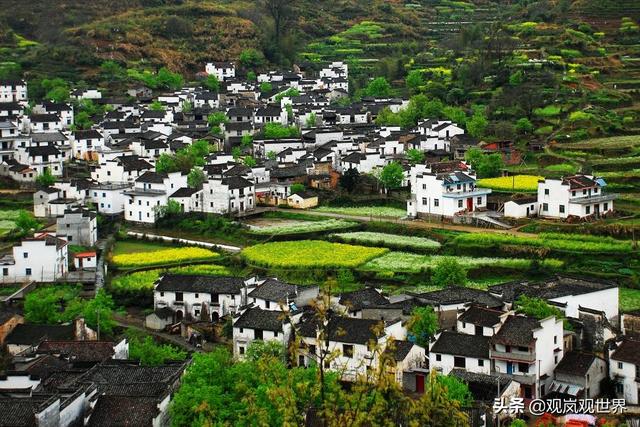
515	183
161	257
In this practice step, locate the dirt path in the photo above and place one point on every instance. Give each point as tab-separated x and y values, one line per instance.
137	325
418	223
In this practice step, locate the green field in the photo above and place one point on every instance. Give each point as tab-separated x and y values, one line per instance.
413	263
382	211
135	246
304	227
309	254
387	240
7	220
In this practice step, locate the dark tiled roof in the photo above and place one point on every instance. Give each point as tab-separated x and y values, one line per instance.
343	329
554	287
30	334
575	363
46	150
133	162
483	387
577	182
517	331
17	412
48	137
455	178
401	350
152	177
274	290
361	298
124	411
459	294
81	351
288	172
481	316
40	118
87	134
459	344
235	182
115	377
203	284
184	192
256	318
628	351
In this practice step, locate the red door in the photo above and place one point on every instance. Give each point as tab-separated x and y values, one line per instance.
419	383
470	204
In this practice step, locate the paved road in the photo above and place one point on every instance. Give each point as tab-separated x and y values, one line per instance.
417	223
227	248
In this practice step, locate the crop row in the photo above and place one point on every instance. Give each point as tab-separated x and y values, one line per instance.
413	263
387	240
305	227
552	241
309	254
162	257
386	211
511	183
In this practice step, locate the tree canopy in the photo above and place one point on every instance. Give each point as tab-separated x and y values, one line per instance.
423	325
448	271
392	176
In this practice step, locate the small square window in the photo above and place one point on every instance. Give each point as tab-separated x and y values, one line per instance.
546	191
438	357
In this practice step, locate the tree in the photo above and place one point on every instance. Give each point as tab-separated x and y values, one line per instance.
251	58
98	312
414	80
150	353
281	12
196	178
47	305
312	120
474	156
217	118
287	94
249	161
236	152
478	123
251	76
45	179
392	176
350	179
266	87
26	222
490	165
265	350
524	126
212	83
166	163
378	88
278	131
82	121
156	106
112	71
247	141
423	325
57	90
272	155
171	209
297	188
415	156
168	80
448	271
456	389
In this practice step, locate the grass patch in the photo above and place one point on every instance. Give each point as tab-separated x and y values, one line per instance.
388	240
413	263
134	246
306	227
629	299
163	257
309	254
564	242
516	183
385	211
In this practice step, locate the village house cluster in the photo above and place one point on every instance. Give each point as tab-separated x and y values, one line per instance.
66	374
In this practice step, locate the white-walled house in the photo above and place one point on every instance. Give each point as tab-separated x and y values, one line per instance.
273	294
624	369
523	207
232	194
85	143
445	194
124	168
352	340
13	90
579	375
151	190
109	197
254	323
457	350
222	70
192	296
528	350
579	195
43	258
79	227
478	320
